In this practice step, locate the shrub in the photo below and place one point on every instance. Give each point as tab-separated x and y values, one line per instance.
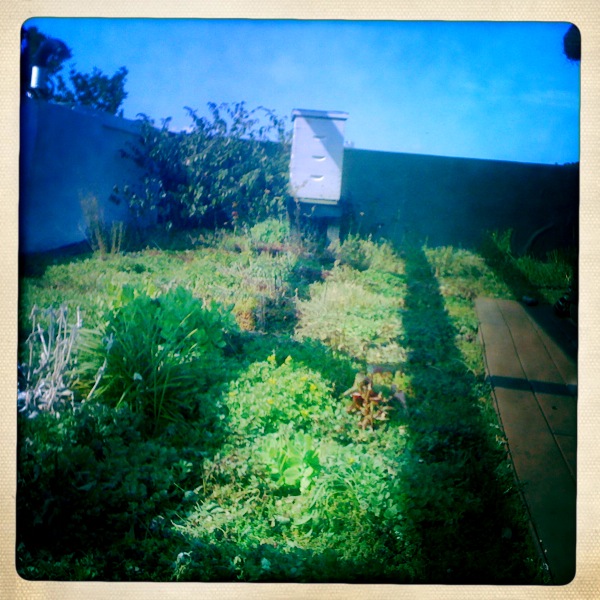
270	231
228	168
88	484
160	356
361	254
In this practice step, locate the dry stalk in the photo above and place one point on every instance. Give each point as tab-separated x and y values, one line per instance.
48	371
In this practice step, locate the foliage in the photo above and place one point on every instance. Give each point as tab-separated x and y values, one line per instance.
370	404
32	41
95	89
456	466
252	469
268	294
319	513
227	168
544	279
160	356
362	254
92	490
347	315
270	231
269	395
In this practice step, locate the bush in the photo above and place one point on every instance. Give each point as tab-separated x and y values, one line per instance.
90	485
228	168
361	254
270	231
161	355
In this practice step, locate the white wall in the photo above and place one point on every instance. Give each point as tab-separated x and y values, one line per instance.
67	155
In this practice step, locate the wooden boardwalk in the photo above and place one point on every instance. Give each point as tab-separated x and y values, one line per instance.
532	366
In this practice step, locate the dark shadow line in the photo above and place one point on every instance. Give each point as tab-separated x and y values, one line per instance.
528	385
449	449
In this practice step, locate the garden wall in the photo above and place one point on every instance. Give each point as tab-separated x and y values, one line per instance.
68	155
454	201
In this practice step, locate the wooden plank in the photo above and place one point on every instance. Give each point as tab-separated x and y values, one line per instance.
538	414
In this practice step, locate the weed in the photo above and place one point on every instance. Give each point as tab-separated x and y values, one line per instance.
104	239
270	232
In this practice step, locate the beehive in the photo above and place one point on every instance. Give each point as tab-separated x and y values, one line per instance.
317	155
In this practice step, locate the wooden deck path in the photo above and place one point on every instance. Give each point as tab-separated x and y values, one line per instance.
532	366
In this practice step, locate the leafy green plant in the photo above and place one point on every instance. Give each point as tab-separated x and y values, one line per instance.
230	167
89	486
269	395
292	460
161	355
270	232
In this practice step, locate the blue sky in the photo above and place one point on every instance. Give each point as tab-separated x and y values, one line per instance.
502	91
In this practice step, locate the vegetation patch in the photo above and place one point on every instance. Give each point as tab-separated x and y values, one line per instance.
254	408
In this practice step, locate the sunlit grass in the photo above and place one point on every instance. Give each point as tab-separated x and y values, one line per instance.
292	488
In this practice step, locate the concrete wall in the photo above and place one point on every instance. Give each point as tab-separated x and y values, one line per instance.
68	155
454	201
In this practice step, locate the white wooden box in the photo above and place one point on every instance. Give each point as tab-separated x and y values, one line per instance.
317	155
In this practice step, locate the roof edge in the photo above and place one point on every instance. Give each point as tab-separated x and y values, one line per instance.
319	114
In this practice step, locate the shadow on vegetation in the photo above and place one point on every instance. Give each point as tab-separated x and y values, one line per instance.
35	264
500	262
469	527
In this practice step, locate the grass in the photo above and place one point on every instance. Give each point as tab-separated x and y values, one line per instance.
243	444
